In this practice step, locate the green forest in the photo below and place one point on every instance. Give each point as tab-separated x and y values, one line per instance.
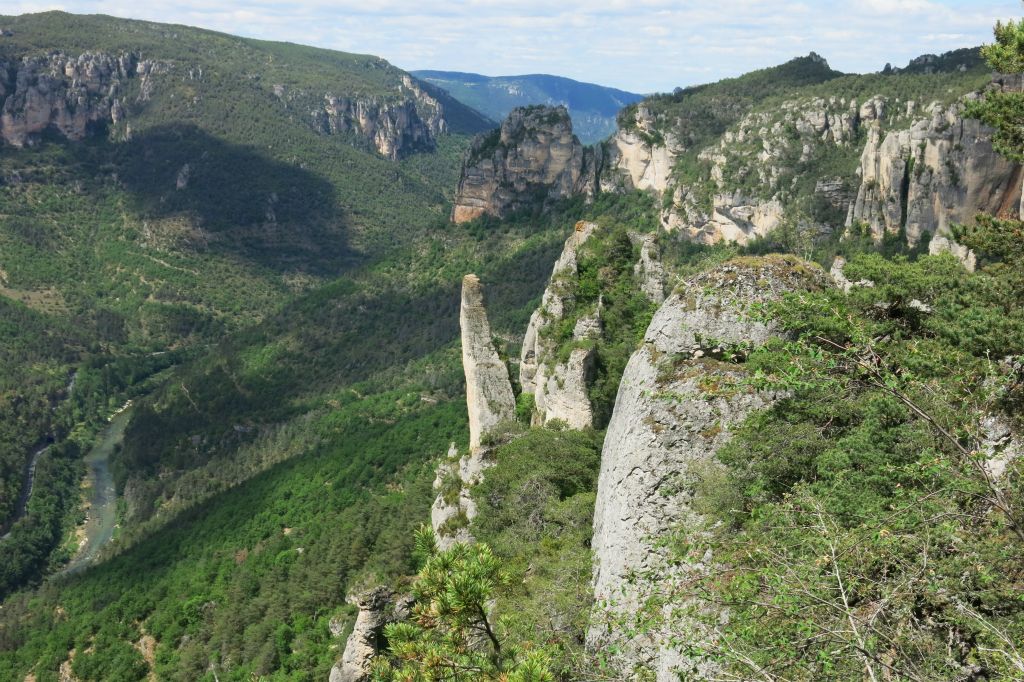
283	325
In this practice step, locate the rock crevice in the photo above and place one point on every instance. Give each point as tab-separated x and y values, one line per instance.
940	171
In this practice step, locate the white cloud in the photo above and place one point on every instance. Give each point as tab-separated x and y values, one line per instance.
641	45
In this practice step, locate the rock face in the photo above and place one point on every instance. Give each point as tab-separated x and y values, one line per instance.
72	95
999	444
941	170
639	157
918	172
489	394
561	392
396	128
454	507
377	608
560	388
752	167
534	157
490	401
649	270
677	403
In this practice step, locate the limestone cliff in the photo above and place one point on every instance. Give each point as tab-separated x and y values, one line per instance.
489	401
560	387
938	171
533	158
396	127
680	396
489	396
72	95
639	156
753	168
377	608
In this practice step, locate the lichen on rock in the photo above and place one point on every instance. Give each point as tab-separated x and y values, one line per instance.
675	408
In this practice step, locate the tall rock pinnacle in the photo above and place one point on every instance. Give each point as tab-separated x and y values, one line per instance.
489	396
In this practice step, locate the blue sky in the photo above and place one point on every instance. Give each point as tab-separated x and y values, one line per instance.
640	45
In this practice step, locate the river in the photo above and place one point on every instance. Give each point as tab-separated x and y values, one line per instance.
29	477
101	518
27	483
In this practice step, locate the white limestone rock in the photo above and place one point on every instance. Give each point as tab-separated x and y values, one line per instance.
377	608
73	95
940	171
562	394
489	396
665	427
557	296
649	270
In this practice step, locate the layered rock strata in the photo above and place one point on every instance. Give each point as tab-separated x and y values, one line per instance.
940	171
395	127
72	95
533	158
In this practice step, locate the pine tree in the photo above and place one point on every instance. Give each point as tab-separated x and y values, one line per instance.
453	635
1004	109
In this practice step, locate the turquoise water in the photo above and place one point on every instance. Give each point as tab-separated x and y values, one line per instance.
102	516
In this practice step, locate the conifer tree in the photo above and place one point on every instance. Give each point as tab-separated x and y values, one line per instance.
453	634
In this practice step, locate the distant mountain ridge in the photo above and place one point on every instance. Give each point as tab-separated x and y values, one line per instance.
593	107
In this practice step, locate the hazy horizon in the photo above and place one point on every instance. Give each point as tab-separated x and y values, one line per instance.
643	46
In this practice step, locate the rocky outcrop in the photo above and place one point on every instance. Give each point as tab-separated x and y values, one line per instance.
454	507
1000	446
489	396
395	127
734	217
840	279
939	171
534	158
561	392
377	608
751	169
560	387
490	401
649	270
72	95
680	397
640	157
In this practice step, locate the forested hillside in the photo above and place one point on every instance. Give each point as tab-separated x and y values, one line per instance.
715	460
164	186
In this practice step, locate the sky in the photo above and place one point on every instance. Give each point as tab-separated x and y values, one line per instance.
638	45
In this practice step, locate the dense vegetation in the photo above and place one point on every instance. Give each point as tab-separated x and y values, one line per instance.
296	372
865	526
254	429
870	524
452	633
107	266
